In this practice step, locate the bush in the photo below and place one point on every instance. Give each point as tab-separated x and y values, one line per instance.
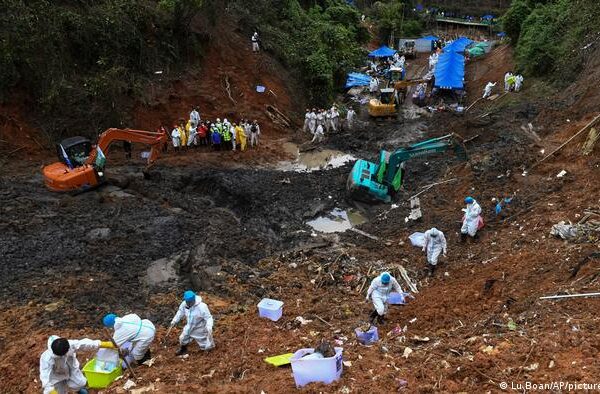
82	59
553	38
321	43
513	19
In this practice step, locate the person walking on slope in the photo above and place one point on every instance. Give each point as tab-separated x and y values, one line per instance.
255	39
471	220
59	367
487	92
435	244
199	323
132	335
378	292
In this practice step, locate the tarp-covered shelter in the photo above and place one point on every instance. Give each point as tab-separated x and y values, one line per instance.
383	51
450	71
357	79
458	45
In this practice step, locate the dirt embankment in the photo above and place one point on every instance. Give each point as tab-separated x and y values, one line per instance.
238	235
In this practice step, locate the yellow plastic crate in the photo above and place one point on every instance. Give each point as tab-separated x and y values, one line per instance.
100	379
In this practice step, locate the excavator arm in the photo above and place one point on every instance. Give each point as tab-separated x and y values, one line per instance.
154	139
390	172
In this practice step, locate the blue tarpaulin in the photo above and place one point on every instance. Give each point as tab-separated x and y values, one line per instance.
357	79
488	17
384	51
429	38
458	45
450	71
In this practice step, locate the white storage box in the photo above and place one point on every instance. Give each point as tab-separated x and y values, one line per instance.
271	309
308	370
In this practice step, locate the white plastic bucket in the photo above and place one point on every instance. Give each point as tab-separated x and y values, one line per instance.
325	370
271	309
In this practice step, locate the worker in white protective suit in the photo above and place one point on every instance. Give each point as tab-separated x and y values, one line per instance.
518	82
199	323
350	115
379	291
319	134
435	244
507	77
59	367
312	123
487	92
471	219
374	85
133	336
306	121
335	118
195	117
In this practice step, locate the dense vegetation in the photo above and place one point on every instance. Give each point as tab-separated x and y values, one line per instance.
552	36
321	42
82	60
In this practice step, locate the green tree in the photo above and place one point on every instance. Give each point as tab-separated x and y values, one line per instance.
513	19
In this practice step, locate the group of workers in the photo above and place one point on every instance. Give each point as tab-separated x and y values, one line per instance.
59	367
221	135
317	122
512	83
434	245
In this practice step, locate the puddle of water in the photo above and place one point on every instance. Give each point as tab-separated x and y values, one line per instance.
337	221
313	160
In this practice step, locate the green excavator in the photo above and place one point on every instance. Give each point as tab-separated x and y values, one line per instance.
373	182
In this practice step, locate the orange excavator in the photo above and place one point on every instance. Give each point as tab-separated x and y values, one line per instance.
81	165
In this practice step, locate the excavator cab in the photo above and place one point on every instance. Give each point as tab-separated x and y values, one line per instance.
76	149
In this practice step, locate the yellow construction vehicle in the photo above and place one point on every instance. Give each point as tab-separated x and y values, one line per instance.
386	105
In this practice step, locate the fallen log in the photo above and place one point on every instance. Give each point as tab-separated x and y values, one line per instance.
406	278
554	297
587	126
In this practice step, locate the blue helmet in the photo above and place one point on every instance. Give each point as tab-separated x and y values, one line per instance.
109	320
469	200
189	296
385	278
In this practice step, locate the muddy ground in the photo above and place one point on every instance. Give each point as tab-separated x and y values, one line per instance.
236	233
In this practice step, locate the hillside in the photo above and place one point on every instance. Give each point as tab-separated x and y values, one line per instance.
233	227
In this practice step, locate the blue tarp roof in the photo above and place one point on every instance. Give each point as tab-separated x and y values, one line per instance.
501	34
384	51
458	45
488	17
430	38
450	71
357	79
